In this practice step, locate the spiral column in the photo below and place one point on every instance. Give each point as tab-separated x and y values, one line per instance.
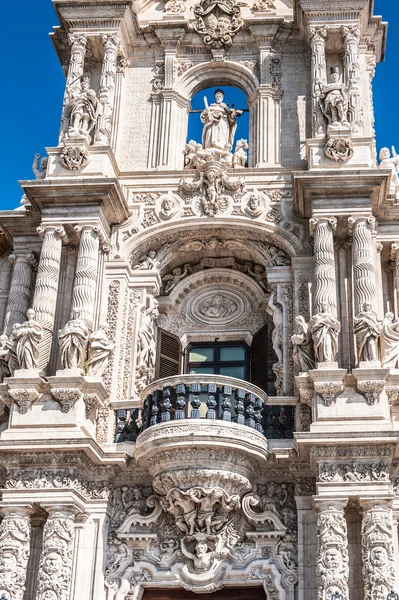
84	288
20	290
46	290
363	264
324	264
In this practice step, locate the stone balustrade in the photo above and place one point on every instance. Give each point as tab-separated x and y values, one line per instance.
211	397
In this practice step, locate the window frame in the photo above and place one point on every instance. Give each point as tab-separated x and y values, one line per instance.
217	363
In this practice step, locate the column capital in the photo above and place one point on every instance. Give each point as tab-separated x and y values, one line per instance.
350	32
17	510
78	39
377	504
58	231
353	221
315	222
394	251
317	33
29	258
95	229
111	41
329	504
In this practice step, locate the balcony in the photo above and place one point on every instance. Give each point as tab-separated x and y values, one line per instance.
206	429
210	397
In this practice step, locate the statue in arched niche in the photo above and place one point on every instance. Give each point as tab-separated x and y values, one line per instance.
220	123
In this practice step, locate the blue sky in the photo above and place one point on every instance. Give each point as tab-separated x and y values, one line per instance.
33	86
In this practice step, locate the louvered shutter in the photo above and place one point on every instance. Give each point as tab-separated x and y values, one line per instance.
259	370
169	353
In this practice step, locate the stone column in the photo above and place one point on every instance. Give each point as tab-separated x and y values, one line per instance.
332	551
324	264
14	551
45	297
78	43
20	290
317	39
106	96
265	110
362	261
85	282
395	261
378	554
351	38
121	66
56	561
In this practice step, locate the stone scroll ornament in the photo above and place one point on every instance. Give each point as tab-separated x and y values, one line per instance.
218	21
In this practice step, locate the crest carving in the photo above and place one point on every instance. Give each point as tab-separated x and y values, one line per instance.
217	21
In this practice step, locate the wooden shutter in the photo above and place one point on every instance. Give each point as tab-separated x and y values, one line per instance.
169	353
259	361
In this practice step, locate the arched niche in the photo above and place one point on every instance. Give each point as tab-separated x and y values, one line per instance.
170	111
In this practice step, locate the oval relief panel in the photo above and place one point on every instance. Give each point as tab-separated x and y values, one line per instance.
219	307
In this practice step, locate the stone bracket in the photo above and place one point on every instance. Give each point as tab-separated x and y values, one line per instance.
68	389
25	390
328	383
370	383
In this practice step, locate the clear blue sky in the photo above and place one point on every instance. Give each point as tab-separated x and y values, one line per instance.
33	86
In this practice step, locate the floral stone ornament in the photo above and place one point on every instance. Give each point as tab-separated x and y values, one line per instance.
339	149
74	157
218	21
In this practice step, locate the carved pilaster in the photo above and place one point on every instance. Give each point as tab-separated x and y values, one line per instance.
265	111
317	39
20	290
324	264
45	297
85	282
395	261
107	87
377	548
14	551
351	38
332	552
78	43
56	561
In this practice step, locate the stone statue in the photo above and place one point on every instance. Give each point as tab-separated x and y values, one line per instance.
389	341
4	355
303	353
27	337
146	338
192	158
100	349
40	173
258	273
168	208
220	123
254	206
334	101
325	329
12	350
391	164
202	556
274	309
83	110
240	154
148	262
73	340
170	281
367	330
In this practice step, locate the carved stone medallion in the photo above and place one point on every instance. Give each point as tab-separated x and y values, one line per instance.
74	157
218	21
339	149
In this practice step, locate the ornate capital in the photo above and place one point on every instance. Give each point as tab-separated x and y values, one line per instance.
350	33
315	223
111	41
317	33
67	397
25	398
78	41
57	231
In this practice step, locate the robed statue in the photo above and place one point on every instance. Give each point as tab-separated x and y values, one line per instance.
27	337
325	329
220	123
73	340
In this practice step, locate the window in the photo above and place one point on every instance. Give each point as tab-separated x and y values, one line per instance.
218	359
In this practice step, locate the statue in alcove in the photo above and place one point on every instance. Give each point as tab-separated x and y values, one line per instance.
220	123
334	101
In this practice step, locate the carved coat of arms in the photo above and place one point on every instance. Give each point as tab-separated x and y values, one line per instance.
217	21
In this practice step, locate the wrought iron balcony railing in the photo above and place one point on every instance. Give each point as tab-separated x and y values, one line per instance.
206	397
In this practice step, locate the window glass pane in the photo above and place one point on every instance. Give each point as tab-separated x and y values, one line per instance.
233	371
201	355
232	354
201	370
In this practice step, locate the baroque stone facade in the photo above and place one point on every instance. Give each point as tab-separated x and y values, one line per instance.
200	335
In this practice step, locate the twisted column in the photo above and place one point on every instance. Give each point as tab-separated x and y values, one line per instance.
15	533
351	38
85	282
363	263
78	43
20	290
112	45
45	297
332	549
378	553
56	561
317	39
324	264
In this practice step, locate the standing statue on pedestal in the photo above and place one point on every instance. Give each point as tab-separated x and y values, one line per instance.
391	164
276	312
325	329
12	350
83	110
73	340
389	342
367	330
303	353
146	341
4	356
100	349
334	101
40	173
27	337
220	123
